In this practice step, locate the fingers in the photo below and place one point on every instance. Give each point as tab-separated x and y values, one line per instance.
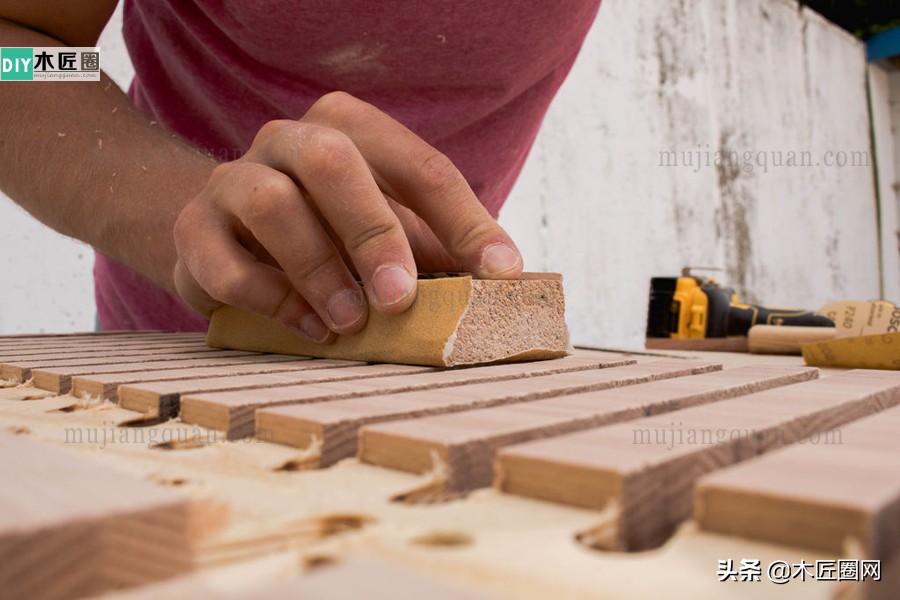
279	231
272	208
338	181
213	269
418	176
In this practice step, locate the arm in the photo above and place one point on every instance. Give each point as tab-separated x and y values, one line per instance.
81	159
345	190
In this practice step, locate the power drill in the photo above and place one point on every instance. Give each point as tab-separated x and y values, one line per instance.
692	307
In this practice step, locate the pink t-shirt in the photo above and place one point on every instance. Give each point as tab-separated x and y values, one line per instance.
473	78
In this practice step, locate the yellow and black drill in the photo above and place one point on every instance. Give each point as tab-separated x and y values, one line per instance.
692	307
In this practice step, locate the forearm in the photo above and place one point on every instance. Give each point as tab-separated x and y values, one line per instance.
81	159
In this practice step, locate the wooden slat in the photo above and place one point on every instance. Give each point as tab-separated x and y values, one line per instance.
330	428
233	411
821	495
70	528
21	371
643	473
465	443
60	378
164	397
127	351
346	387
83	340
67	350
105	385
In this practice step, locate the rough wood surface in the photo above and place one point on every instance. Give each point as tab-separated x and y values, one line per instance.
454	321
21	370
829	493
233	412
465	443
59	340
78	350
356	579
643	473
329	429
105	385
503	545
69	527
163	398
61	379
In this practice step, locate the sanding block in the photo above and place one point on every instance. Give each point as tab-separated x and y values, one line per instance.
455	320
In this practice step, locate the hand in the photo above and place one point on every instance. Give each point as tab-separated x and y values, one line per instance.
343	191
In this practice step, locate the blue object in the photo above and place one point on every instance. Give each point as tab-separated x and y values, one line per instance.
884	45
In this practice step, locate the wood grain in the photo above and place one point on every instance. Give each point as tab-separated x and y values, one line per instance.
164	398
331	427
105	385
21	370
233	412
643	473
465	443
70	528
826	493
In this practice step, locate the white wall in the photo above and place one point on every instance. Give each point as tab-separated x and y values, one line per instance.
701	74
594	202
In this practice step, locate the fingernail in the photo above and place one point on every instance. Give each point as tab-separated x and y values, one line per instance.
346	308
312	328
499	259
392	284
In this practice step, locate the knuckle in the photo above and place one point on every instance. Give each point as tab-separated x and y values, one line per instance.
334	106
327	151
437	172
473	237
273	129
371	237
228	287
312	266
186	225
271	196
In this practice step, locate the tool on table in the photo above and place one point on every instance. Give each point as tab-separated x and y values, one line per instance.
695	307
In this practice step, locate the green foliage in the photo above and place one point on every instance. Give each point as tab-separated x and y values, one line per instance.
863	18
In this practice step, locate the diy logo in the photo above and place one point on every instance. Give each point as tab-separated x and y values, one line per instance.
16	64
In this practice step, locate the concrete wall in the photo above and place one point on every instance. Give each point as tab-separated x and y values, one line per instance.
763	80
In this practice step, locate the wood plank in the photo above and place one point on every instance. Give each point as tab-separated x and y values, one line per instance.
643	474
823	494
163	397
62	378
465	443
105	385
233	411
138	352
76	339
454	321
96	349
21	371
70	528
328	430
